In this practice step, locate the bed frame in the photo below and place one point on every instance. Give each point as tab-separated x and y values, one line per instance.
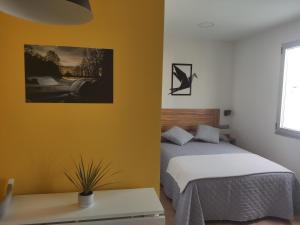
189	118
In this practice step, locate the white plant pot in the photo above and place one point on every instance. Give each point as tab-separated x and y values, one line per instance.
86	201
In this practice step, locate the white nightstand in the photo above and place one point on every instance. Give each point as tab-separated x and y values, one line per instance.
115	207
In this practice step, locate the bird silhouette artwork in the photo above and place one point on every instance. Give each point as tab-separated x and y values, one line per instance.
185	81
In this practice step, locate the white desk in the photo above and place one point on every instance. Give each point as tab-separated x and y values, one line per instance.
115	207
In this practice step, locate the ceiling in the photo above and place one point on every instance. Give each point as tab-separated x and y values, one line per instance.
233	19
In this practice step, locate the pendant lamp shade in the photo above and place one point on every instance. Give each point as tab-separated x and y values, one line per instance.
49	11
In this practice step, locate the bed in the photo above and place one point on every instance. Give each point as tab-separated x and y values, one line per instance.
237	198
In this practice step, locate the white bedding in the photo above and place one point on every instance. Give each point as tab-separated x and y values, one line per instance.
193	167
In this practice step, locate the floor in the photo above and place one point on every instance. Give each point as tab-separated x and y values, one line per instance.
169	211
170	214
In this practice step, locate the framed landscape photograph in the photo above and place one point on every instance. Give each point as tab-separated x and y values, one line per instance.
68	74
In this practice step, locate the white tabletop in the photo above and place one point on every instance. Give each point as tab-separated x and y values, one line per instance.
63	207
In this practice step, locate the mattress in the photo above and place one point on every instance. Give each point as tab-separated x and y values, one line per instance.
242	198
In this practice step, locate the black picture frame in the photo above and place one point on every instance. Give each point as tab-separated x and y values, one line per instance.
190	69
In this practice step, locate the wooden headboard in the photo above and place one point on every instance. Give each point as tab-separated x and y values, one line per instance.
189	118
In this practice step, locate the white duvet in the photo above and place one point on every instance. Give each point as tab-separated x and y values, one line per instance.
188	168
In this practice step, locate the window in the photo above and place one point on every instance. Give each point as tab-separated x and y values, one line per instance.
288	120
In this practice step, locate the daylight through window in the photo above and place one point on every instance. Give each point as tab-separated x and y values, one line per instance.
289	112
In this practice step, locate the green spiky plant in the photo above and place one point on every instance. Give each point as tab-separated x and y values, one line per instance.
89	176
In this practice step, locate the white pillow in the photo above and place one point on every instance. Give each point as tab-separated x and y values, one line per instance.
208	134
177	136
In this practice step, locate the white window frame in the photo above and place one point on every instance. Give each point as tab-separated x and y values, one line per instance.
278	129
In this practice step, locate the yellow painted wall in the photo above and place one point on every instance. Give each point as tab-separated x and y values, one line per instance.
38	140
3	186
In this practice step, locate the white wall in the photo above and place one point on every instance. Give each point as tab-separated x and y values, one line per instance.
256	92
212	62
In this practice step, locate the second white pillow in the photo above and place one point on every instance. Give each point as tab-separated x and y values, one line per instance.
208	134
